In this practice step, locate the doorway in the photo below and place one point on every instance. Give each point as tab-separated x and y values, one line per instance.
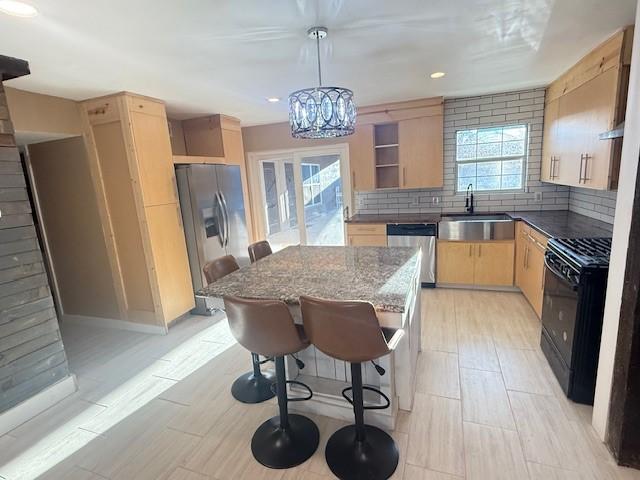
302	196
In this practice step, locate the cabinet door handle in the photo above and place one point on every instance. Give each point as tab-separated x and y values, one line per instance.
526	257
404	176
585	178
479	250
353	179
551	168
544	276
470	250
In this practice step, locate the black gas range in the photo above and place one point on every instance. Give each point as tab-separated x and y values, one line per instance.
574	293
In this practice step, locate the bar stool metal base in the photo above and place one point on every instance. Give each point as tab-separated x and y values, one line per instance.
374	458
252	388
275	447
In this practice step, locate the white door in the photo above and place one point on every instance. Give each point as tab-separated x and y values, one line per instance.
303	199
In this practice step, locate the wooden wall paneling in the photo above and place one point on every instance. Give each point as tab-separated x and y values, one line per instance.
115	272
169	259
120	196
141	227
28	322
154	158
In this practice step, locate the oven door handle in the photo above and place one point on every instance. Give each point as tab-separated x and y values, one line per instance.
573	285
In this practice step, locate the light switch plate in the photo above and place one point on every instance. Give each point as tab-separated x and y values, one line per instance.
435	201
538	197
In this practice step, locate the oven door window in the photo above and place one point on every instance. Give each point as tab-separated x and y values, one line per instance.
559	312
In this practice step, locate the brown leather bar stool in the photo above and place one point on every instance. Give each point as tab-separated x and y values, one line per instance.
259	250
350	331
266	327
254	386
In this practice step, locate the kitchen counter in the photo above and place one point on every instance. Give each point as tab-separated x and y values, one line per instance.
380	275
553	223
395	218
564	224
387	277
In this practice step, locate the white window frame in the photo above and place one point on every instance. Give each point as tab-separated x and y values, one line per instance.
315	199
524	158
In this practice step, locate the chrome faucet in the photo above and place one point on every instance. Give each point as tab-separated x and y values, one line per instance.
468	204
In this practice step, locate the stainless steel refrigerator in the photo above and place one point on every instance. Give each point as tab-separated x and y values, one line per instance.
214	219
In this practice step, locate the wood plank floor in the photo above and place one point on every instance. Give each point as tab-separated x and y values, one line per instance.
149	407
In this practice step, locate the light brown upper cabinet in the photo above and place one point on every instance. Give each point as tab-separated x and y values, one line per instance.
586	101
129	150
361	158
398	145
421	153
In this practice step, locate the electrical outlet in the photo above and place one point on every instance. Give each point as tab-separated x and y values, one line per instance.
538	197
435	201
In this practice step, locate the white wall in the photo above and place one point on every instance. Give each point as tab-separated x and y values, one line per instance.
621	227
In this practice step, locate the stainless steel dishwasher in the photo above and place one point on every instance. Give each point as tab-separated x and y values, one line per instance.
421	235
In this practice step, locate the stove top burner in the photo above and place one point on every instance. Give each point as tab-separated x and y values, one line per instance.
585	252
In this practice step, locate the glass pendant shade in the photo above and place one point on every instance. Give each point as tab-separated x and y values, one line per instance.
322	112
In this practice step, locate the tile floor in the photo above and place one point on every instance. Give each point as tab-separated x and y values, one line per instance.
149	407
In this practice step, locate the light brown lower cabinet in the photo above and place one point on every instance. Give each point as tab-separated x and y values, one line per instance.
475	263
530	271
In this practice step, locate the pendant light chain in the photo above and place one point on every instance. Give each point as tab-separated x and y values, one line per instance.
318	53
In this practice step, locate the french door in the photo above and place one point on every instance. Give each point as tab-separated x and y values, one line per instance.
302	196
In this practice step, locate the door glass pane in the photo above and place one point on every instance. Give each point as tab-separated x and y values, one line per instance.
323	203
280	204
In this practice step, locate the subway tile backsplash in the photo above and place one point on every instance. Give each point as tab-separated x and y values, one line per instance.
489	110
597	204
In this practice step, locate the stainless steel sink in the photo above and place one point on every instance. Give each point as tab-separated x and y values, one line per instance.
476	227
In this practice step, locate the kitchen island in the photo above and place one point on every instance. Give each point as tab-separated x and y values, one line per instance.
386	277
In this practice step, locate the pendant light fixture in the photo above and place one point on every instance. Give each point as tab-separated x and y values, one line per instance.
321	112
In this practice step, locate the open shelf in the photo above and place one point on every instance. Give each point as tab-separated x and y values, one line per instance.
387	155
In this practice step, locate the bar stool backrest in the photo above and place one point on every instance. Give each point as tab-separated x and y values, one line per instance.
348	331
265	327
259	250
220	267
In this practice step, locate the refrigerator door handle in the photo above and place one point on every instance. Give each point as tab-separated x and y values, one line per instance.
220	219
225	215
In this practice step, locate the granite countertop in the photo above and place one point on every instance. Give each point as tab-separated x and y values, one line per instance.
380	275
553	223
564	224
397	218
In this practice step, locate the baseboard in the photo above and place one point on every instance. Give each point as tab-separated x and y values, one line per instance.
486	288
113	323
16	416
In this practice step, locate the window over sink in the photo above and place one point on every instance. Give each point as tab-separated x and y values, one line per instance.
492	158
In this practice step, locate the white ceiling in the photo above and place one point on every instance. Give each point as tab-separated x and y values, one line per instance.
214	56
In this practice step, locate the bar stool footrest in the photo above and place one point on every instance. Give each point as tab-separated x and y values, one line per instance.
368	407
274	389
374	458
277	447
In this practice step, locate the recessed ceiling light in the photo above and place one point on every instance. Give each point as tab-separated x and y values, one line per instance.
438	74
17	9
273	99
